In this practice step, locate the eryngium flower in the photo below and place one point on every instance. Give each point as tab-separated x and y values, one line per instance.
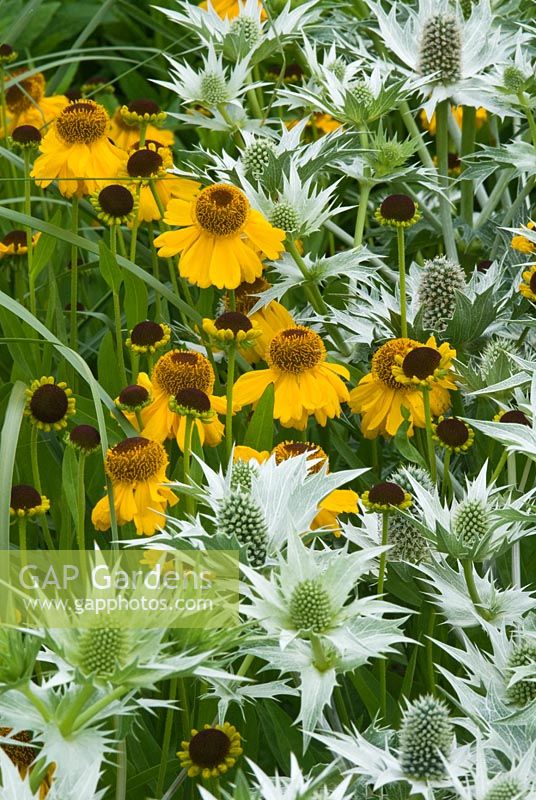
440	281
440	49
426	732
523	655
239	516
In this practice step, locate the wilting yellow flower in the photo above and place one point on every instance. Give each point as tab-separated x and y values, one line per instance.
26	103
304	382
211	751
527	287
172	373
77	152
270	319
220	239
126	136
457	113
521	242
137	470
379	397
150	164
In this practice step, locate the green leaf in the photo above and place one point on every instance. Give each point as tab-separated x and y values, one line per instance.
107	365
260	432
8	448
135	302
69	472
45	247
404	446
109	269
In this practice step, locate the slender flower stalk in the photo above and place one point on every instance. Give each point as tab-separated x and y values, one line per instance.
382	662
29	239
467	147
402	276
429	432
36	477
468	571
231	360
442	142
81	510
186	460
117	313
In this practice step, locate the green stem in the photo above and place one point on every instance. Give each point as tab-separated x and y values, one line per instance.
122	767
237	136
99	706
467	147
36	702
37	775
3	108
442	145
73	330
430	665
467	565
166	741
22	535
402	275
229	395
494	199
117	314
36	477
529	115
361	217
81	510
156	271
416	134
186	460
429	440
500	466
29	242
382	663
446	486
75	708
516	549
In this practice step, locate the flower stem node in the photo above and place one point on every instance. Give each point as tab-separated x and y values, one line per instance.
385	497
49	404
211	752
426	733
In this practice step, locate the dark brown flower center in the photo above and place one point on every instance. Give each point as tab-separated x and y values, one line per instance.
387	493
133	396
209	747
49	403
22	757
484	265
85	436
532	283
144	106
194	399
399	207
234	321
146	334
116	200
453	432
144	163
16	238
516	417
24	497
5	50
26	134
421	362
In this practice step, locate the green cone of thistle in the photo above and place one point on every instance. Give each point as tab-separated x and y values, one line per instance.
231	327
386	497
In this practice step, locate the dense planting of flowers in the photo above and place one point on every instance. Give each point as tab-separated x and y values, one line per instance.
268	286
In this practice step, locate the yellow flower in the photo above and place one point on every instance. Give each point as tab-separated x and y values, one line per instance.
425	365
137	470
211	752
27	501
126	136
172	373
77	152
227	8
148	337
49	404
219	238
457	113
14	243
244	453
26	103
527	287
398	211
339	501
523	244
25	756
304	382
232	326
379	397
270	319
150	164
